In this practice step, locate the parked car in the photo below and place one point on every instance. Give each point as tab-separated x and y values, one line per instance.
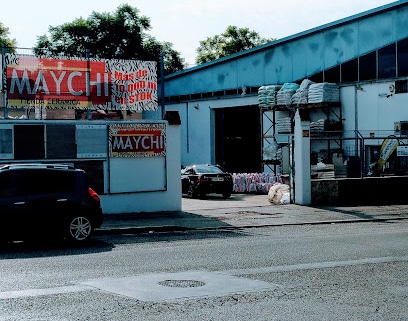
39	201
203	179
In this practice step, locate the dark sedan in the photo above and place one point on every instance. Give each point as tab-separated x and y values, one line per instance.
205	179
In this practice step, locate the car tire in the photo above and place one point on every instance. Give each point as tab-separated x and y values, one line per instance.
191	193
79	229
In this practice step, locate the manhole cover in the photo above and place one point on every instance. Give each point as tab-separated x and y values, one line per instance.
182	283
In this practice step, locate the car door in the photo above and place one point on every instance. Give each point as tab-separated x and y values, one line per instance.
46	201
14	211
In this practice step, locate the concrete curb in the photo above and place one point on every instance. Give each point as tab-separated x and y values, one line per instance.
174	228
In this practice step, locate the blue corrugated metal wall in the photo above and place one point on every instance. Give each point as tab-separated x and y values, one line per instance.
299	56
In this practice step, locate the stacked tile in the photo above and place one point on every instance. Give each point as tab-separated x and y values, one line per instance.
324	93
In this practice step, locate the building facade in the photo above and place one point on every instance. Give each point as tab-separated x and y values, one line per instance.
366	55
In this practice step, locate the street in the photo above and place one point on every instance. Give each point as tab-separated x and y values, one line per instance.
354	271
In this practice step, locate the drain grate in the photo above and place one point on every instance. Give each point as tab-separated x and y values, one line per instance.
181	283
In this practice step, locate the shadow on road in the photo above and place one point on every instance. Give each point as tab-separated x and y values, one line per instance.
33	249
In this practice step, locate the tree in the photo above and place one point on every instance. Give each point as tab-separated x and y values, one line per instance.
121	35
233	40
5	41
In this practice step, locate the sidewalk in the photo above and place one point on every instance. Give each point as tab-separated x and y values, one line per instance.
243	210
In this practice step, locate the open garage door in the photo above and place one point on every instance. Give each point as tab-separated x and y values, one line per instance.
238	139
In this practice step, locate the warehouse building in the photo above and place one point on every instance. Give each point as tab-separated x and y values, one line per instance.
365	56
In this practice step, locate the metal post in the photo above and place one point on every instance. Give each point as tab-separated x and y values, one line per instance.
162	100
4	81
88	84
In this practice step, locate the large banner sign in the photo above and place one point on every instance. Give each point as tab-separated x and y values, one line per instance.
73	83
137	140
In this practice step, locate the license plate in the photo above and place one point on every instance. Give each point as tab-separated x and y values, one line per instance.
217	179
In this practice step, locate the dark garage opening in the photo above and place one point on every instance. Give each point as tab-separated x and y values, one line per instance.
237	139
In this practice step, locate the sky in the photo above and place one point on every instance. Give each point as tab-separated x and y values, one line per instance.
184	23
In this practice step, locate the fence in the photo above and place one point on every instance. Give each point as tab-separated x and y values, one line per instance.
359	154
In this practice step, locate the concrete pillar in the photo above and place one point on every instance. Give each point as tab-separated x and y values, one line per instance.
302	159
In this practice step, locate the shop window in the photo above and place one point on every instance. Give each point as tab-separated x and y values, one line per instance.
401	86
332	75
349	71
29	142
386	62
6	142
61	141
368	66
402	57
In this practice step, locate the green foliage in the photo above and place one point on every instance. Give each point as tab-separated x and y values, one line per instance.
233	40
118	35
5	41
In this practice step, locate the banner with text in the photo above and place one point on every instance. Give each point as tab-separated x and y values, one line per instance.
74	83
137	140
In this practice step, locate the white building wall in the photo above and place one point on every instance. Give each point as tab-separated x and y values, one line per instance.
375	106
197	127
155	201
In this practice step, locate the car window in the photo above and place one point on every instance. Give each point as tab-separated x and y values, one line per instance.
51	181
11	184
208	169
36	181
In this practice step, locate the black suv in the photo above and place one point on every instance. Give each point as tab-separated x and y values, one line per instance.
39	201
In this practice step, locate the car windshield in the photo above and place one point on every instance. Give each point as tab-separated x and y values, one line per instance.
208	169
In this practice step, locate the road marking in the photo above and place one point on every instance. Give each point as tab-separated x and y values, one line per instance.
42	292
317	265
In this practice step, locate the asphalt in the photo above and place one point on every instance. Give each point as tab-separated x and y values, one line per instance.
243	211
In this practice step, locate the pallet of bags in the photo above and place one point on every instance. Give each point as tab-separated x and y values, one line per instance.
317	126
285	94
324	93
267	96
301	96
284	125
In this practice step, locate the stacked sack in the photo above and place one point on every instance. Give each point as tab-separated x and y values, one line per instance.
284	125
324	92
254	182
272	152
317	126
267	96
302	93
285	94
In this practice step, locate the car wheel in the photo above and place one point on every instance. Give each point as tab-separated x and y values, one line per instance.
191	191
226	195
79	229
